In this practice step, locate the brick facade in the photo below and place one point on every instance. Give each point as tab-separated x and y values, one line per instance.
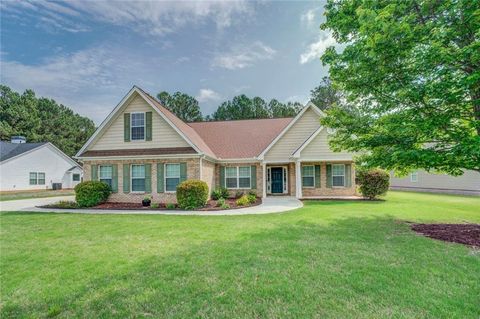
211	175
324	190
193	172
259	181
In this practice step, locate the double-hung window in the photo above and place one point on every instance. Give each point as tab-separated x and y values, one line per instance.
244	176
137	126
138	178
41	178
238	177
105	174
36	178
172	177
338	175
308	177
414	177
33	178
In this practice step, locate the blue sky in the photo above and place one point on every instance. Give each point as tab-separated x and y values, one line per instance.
87	55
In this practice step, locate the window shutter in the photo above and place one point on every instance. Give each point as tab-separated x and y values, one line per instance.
222	176
329	175
126	127
114	178
94	176
160	178
253	177
148	178
183	172
317	176
126	178
348	175
148	126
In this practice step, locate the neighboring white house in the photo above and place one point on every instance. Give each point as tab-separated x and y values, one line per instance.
422	181
30	166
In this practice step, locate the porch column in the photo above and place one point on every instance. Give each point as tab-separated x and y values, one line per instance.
264	180
298	180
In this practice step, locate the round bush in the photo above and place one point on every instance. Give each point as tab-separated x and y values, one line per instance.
192	194
373	183
91	193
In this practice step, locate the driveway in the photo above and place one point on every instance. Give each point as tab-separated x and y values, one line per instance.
269	205
25	204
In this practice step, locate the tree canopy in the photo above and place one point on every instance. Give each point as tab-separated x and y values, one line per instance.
182	105
42	120
242	107
325	96
410	72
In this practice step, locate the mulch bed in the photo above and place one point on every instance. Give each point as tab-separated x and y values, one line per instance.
211	206
467	234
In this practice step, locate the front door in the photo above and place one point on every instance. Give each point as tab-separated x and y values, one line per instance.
277	180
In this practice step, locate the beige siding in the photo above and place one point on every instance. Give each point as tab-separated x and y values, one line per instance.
294	137
318	149
470	181
163	135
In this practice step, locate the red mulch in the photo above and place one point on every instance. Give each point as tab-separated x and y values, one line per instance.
211	205
467	234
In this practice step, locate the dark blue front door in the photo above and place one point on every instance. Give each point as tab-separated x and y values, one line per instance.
277	180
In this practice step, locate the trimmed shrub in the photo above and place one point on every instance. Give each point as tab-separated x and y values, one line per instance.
252	198
373	183
218	193
192	194
243	201
170	206
91	193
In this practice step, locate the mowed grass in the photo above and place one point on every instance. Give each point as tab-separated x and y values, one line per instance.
330	259
4	196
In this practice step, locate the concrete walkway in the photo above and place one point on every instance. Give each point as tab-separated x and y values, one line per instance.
25	204
269	205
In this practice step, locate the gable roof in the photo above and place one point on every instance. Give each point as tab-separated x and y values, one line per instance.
240	139
295	119
9	150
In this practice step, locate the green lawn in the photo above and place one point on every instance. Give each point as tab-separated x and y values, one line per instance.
34	194
330	259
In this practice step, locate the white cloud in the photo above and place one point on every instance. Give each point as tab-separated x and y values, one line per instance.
205	95
316	49
150	17
308	17
243	56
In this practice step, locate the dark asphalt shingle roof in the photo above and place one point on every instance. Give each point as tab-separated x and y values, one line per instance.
9	150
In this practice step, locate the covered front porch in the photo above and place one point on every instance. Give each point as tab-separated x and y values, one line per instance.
309	179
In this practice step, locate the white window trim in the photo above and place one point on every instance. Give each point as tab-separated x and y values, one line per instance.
344	175
414	180
165	177
131	178
37	178
30	179
313	186
238	177
98	173
144	127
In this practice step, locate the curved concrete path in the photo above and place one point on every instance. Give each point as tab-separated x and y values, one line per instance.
269	205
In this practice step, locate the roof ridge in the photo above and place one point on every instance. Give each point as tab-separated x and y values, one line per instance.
266	118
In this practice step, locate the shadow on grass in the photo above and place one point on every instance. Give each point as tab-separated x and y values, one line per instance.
355	267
